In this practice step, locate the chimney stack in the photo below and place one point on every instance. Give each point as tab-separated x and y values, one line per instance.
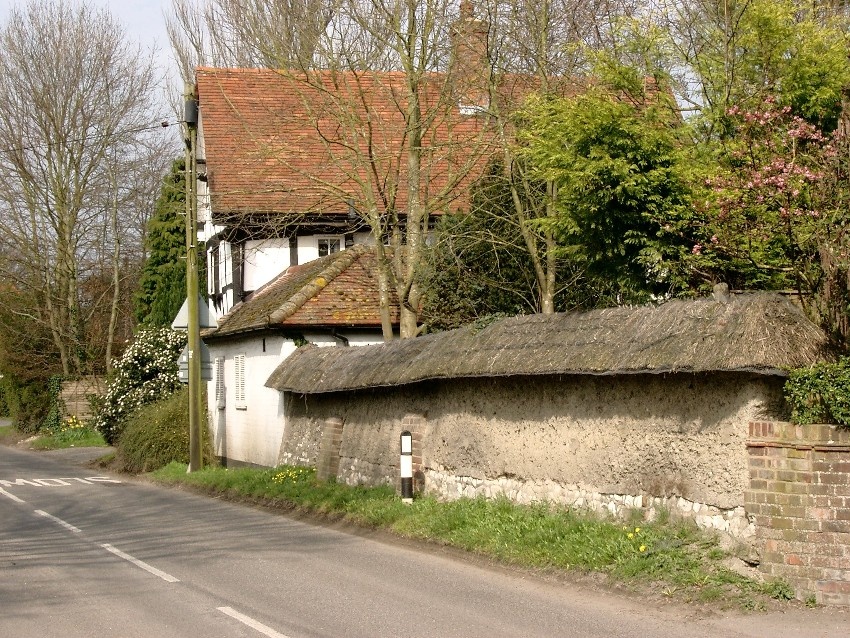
469	67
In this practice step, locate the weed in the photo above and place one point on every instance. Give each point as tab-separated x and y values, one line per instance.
778	589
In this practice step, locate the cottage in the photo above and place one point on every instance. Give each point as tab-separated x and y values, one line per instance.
609	409
291	162
331	301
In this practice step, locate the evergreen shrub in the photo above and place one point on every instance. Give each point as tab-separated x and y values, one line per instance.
820	393
146	372
157	434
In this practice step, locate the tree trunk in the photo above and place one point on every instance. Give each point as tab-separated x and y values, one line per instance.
116	281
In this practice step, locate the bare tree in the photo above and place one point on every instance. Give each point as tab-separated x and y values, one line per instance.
387	138
75	100
398	134
248	33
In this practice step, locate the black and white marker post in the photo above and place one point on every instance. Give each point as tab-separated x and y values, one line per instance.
406	465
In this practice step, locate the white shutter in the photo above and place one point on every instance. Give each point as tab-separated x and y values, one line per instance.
220	395
239	384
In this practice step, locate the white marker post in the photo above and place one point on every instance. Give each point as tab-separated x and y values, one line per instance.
406	465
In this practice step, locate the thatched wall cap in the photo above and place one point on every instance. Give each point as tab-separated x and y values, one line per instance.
763	333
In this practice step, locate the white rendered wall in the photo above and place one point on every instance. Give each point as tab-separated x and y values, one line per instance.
308	246
254	434
264	260
250	435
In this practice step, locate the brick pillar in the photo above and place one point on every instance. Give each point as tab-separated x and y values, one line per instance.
799	494
329	446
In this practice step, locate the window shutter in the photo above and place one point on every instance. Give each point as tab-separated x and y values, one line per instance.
239	385
220	395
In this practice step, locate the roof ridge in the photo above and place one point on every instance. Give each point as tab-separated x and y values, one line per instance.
317	283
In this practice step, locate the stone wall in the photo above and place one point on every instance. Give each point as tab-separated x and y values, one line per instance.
605	443
799	494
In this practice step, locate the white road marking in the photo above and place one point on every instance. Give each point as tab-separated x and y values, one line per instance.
58	520
20	482
11	496
250	622
56	482
138	563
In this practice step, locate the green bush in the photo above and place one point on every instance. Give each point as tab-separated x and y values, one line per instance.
157	434
27	402
820	393
146	372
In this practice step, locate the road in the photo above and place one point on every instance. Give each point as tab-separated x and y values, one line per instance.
88	554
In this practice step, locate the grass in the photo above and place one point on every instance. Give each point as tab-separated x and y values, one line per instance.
60	441
71	433
675	559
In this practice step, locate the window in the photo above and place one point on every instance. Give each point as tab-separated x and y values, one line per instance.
328	245
239	382
219	383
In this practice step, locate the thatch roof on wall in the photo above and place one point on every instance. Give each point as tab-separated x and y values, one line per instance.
761	332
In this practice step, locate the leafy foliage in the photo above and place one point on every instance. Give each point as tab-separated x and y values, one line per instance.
821	393
745	52
146	372
760	205
158	434
27	402
28	358
478	270
620	187
771	212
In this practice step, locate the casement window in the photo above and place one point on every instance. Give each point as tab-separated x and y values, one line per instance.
329	245
220	400
239	382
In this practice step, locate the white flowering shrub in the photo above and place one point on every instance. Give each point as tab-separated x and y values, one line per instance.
146	372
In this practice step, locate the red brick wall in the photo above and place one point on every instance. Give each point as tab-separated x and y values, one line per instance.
800	496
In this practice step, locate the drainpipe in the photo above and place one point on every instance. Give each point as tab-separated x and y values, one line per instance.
342	340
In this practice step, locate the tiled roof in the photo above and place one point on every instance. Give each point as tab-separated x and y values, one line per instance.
276	143
340	290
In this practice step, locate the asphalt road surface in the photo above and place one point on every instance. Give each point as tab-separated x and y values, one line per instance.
87	554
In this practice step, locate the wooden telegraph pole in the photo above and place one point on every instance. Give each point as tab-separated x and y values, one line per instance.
190	133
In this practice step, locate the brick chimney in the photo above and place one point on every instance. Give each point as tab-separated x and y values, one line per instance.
469	67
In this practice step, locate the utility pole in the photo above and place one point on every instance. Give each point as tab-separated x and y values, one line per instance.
190	137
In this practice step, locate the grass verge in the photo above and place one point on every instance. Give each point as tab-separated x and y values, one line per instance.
77	437
674	559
